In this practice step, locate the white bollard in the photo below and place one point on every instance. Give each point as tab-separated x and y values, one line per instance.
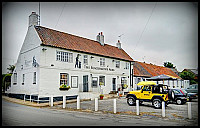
163	108
115	105
78	102
24	97
189	110
30	97
96	104
38	99
64	101
137	107
51	101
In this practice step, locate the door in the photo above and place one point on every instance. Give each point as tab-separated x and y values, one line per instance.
85	83
114	84
146	92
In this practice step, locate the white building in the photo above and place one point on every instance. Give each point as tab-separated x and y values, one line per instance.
49	58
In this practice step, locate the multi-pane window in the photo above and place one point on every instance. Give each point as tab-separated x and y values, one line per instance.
102	80
15	78
94	81
34	78
102	62
85	59
64	78
64	56
127	65
117	64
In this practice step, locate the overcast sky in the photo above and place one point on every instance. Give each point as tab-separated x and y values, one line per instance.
152	32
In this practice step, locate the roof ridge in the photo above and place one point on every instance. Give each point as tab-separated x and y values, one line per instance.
76	36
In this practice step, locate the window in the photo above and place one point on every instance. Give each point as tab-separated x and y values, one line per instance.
15	78
127	65
123	82
94	81
74	81
64	56
64	78
147	88
70	57
23	78
85	59
102	80
34	78
102	62
117	64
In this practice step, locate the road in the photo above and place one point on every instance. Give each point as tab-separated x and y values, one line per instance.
19	115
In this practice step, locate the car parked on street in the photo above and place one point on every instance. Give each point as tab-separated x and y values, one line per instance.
190	95
176	96
150	92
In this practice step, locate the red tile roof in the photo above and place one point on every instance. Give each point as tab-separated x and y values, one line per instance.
150	70
59	39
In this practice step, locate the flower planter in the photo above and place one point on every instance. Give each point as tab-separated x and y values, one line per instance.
101	97
62	89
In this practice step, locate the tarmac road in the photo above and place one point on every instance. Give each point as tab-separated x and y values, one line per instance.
19	115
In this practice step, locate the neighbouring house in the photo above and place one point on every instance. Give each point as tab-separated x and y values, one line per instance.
144	71
50	58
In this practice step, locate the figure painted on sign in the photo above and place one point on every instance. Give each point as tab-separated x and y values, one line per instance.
78	63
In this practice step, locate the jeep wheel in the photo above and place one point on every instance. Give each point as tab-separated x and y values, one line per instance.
131	101
179	101
157	103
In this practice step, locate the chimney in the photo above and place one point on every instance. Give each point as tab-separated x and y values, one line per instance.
33	19
119	45
100	38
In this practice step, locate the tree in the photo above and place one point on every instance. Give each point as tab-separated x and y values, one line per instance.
169	65
11	68
186	75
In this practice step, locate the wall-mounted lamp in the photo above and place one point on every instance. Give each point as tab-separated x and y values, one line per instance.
44	49
92	57
113	60
52	64
123	73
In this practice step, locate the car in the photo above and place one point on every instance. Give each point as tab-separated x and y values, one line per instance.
176	96
190	95
149	93
192	88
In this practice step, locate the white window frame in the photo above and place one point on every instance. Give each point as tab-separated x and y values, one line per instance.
117	64
64	56
15	78
102	80
64	79
85	59
34	77
102	62
127	65
94	82
23	79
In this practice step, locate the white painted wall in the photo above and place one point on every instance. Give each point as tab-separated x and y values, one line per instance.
30	48
50	75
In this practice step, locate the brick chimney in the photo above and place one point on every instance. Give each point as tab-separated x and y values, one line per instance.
100	38
33	19
119	45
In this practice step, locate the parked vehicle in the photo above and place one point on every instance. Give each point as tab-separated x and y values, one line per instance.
190	95
150	92
192	88
176	96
